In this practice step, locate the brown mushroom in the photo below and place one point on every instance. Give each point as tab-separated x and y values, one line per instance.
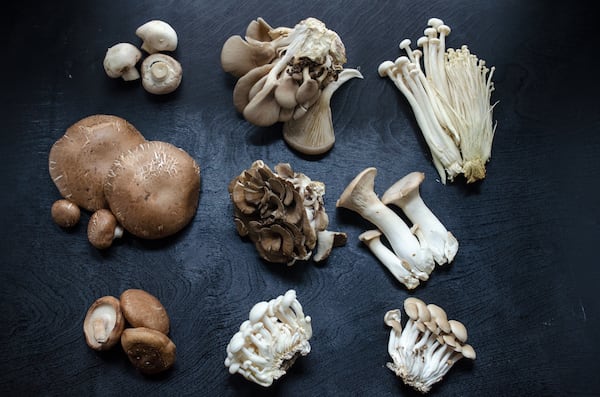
148	350
103	323
142	309
80	159
65	213
103	229
153	189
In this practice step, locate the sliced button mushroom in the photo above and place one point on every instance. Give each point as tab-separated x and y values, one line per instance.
65	213
103	323
153	189
103	229
81	158
148	350
161	74
120	61
142	309
157	36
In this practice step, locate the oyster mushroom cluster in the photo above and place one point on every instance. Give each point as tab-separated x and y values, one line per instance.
414	250
276	333
451	99
289	75
428	345
104	165
160	73
283	213
139	322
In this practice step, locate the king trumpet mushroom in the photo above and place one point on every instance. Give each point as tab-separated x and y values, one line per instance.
428	345
276	333
286	75
451	100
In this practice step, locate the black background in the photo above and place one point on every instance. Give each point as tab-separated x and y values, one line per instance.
525	278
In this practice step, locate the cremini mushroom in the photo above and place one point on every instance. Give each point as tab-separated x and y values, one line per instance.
359	196
65	213
148	350
428	345
153	189
103	323
81	158
142	309
427	227
103	229
157	36
161	74
120	61
276	333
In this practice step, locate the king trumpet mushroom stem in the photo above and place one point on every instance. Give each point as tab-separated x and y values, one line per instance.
427	227
359	196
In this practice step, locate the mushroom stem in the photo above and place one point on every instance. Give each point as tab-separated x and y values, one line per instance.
100	325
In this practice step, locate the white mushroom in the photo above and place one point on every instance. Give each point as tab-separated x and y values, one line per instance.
428	345
427	227
161	74
359	196
120	61
157	36
270	341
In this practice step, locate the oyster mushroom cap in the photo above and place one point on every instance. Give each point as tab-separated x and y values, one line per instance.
157	36
81	158
153	189
65	213
161	74
103	323
142	309
103	229
148	350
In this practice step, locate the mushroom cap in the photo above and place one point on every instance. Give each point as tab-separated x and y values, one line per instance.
403	188
103	323
468	352
459	330
120	61
161	74
416	309
65	213
148	350
101	228
81	158
359	192
142	309
153	189
439	316
369	235
157	36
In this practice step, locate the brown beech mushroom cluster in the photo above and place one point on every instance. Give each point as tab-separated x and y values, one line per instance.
283	213
289	75
104	165
145	340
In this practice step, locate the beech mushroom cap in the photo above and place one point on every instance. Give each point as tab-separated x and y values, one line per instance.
142	309
65	213
161	74
103	229
81	158
157	36
103	323
120	61
148	350
153	189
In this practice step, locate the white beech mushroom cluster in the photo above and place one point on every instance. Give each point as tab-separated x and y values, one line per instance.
414	250
160	73
428	345
289	75
283	213
450	98
269	342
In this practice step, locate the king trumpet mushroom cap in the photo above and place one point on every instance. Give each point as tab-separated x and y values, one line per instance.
103	323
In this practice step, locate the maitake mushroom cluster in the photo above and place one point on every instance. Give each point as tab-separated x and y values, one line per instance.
450	97
160	73
289	75
428	345
415	249
283	213
270	341
104	165
144	339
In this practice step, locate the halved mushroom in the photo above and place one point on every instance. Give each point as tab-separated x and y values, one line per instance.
153	189
148	350
81	158
103	323
142	309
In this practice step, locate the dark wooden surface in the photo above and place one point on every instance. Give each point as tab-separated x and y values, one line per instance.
525	278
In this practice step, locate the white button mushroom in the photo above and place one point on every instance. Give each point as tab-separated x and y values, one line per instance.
120	61
161	74
157	36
